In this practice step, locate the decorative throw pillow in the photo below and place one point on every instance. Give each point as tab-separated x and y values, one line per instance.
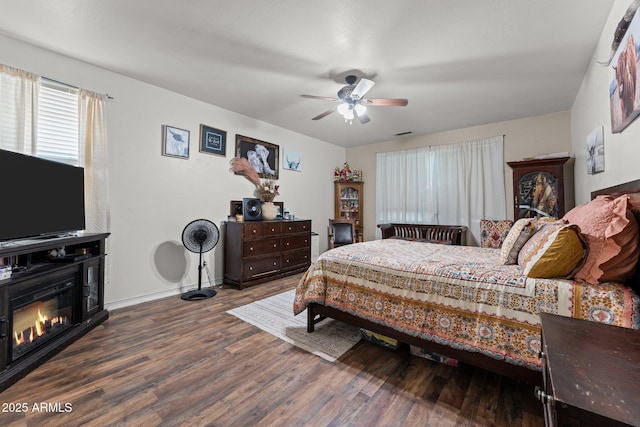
557	250
493	232
611	232
521	231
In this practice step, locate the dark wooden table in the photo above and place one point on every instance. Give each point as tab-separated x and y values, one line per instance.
592	372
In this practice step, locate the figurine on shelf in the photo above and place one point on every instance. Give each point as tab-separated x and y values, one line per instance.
346	174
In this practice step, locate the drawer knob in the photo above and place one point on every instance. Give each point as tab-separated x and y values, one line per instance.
273	229
254	231
275	245
287	243
250	268
251	248
275	263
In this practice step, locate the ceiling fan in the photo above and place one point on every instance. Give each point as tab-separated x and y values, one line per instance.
353	104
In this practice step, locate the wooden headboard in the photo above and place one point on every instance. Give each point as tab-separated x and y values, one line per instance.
631	189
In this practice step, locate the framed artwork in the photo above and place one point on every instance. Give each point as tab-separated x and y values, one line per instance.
213	141
292	160
595	151
279	209
175	142
624	104
235	207
263	156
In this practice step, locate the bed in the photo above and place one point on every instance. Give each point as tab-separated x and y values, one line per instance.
460	301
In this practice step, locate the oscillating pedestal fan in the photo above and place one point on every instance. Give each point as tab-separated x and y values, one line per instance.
199	236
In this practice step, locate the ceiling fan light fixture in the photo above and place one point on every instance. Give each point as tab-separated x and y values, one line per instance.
348	115
343	108
360	109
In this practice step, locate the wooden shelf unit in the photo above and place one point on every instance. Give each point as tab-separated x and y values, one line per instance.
348	201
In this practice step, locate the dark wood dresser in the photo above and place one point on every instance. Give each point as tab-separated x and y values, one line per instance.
591	373
259	251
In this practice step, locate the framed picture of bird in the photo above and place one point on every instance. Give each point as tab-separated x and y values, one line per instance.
175	142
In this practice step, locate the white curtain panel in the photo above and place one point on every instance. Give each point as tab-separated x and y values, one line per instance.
455	184
92	129
19	92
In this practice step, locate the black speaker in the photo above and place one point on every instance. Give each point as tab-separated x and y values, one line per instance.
251	209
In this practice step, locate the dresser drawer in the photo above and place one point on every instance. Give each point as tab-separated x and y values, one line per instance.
296	242
296	227
272	229
259	229
255	267
252	231
261	247
296	258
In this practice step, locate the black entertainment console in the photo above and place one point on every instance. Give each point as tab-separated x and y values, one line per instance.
48	303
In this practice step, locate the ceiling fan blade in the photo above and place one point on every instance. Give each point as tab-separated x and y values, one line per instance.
325	114
387	102
363	118
361	88
324	98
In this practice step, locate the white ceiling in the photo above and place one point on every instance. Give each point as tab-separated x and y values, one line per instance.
460	63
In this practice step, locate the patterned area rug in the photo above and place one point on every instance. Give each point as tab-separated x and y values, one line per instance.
330	340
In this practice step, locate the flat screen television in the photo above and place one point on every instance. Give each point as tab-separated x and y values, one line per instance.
39	197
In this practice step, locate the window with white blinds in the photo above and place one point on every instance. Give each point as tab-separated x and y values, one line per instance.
57	123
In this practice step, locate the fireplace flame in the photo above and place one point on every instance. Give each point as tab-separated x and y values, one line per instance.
41	325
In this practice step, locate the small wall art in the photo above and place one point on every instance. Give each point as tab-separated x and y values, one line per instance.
292	160
624	104
263	156
213	141
595	151
175	142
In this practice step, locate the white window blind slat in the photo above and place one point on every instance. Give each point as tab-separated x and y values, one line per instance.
58	123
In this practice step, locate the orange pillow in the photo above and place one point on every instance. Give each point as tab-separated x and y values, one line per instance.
611	232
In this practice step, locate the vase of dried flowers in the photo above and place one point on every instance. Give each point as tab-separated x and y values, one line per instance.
266	189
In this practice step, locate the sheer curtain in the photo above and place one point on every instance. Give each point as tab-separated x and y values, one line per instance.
92	131
448	184
19	92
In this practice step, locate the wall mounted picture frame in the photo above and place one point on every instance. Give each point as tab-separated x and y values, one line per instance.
175	142
595	151
624	104
263	156
291	160
213	141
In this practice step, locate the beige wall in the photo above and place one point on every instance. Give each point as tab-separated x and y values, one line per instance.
549	133
153	197
591	109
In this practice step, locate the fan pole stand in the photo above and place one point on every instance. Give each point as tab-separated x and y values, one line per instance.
198	294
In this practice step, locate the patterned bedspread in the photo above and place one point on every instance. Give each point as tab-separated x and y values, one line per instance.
459	296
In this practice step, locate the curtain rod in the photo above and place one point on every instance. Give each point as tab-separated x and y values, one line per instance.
76	87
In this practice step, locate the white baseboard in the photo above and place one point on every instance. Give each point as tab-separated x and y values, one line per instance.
128	302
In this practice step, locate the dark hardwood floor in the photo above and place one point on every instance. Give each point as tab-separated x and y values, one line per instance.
172	362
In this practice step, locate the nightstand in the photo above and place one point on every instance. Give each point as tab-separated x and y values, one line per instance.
591	372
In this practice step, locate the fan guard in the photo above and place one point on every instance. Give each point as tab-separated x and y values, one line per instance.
200	236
